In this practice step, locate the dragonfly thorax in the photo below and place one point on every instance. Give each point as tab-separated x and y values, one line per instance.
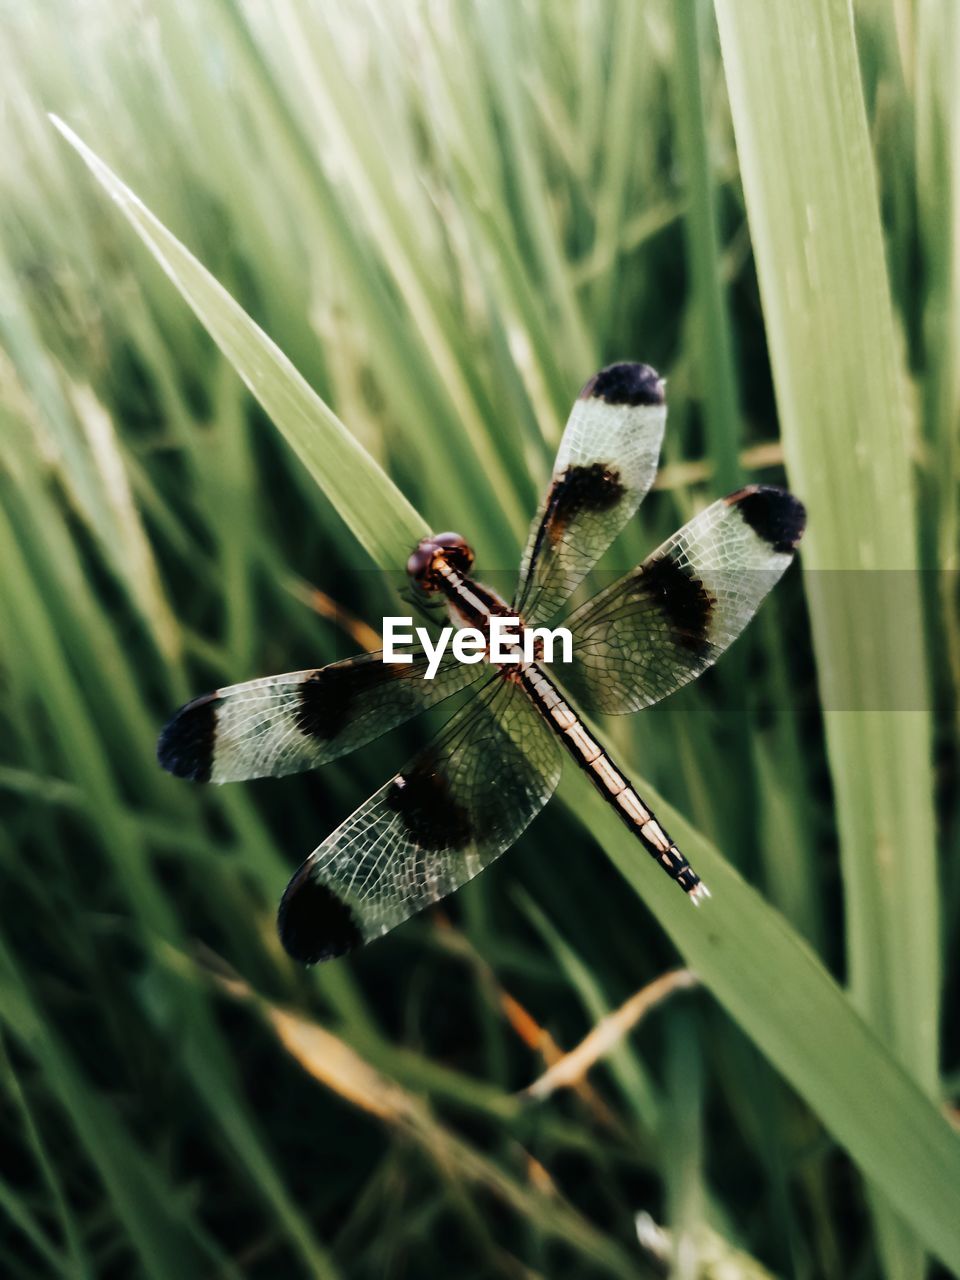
471	603
441	565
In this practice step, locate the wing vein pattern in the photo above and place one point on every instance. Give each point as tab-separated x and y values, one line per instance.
605	465
284	724
454	808
662	624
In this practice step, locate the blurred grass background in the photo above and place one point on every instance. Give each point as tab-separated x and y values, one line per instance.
447	215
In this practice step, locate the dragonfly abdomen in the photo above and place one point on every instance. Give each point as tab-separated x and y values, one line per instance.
610	781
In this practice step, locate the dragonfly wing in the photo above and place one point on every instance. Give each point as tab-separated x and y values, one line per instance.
605	465
669	619
285	724
452	810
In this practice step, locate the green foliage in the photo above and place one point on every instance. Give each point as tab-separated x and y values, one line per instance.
445	217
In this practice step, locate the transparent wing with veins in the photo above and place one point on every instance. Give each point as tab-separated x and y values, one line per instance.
605	465
285	724
451	811
666	621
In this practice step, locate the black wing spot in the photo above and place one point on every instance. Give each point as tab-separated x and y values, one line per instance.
633	384
434	819
596	488
328	696
186	746
682	598
313	923
773	514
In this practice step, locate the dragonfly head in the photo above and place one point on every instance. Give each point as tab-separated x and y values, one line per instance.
424	564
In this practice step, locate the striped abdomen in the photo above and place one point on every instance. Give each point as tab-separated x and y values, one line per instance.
609	781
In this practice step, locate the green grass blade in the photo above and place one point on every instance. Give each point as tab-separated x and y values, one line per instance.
156	1219
772	984
79	1264
712	339
638	1089
374	509
794	84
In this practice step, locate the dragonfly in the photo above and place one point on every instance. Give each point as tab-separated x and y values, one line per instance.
468	795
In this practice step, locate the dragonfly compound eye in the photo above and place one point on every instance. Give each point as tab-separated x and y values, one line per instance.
446	548
420	566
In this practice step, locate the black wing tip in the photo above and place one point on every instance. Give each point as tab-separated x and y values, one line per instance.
773	514
313	923
185	746
626	383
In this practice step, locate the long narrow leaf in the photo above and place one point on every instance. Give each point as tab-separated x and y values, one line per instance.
380	517
804	147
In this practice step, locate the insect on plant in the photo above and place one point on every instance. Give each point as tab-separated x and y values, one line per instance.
468	795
